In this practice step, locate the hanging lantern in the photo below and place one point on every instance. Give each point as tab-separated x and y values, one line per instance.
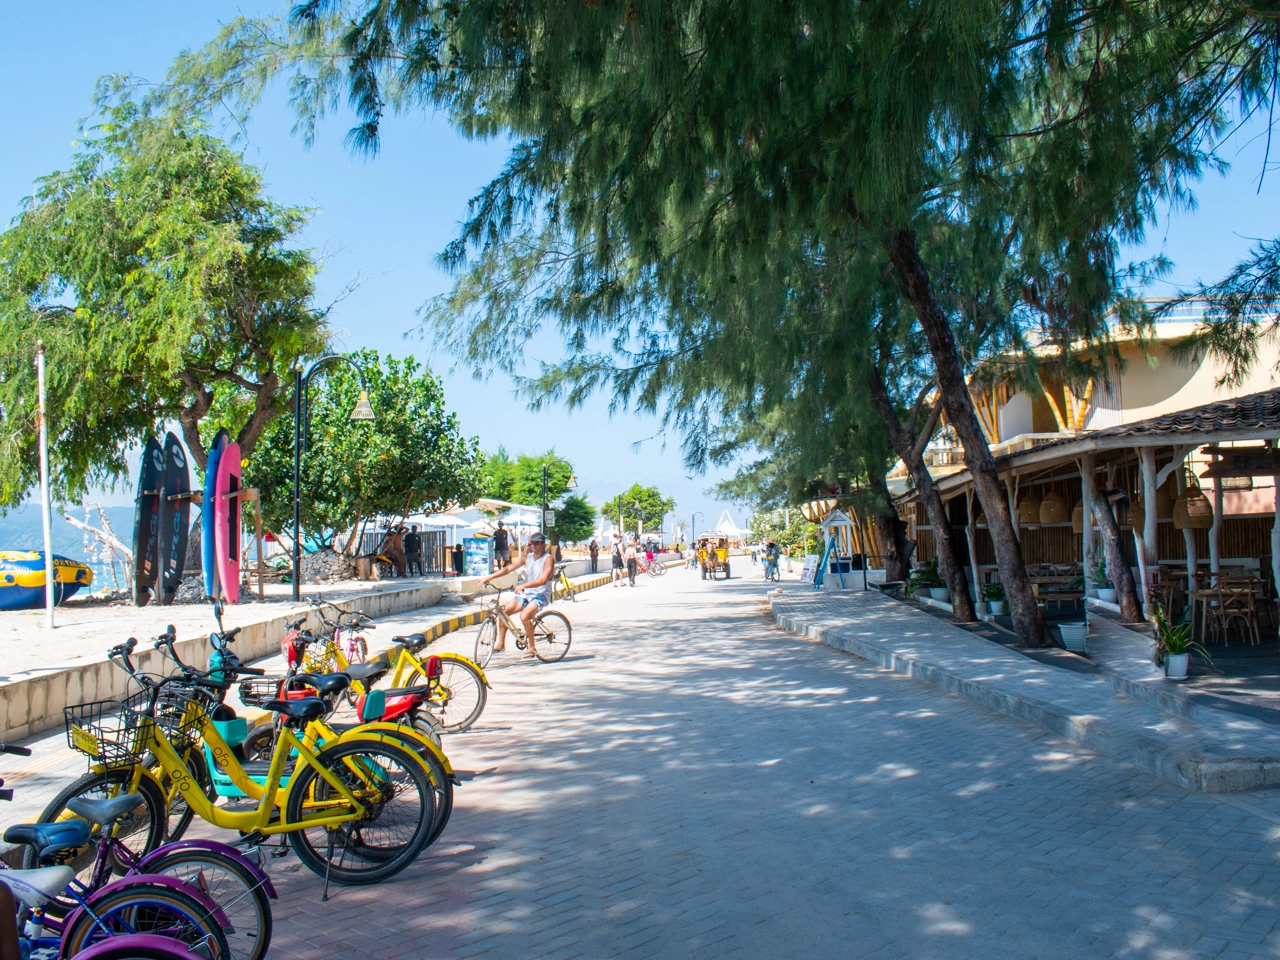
1029	511
1053	508
1192	510
981	519
1077	517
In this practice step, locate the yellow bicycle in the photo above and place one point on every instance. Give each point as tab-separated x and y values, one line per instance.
357	809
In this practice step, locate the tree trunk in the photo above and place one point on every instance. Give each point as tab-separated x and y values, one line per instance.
893	532
1117	568
903	445
1028	622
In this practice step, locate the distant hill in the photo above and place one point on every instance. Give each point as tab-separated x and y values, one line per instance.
20	529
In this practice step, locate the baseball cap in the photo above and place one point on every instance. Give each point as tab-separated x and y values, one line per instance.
537	538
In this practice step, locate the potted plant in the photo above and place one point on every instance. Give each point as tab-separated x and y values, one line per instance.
928	579
1075	636
1105	590
1173	646
993	593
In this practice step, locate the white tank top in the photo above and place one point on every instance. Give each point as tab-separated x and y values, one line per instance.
533	569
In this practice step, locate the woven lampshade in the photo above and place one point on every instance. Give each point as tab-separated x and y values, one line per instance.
1077	517
1029	511
1053	508
981	519
1192	511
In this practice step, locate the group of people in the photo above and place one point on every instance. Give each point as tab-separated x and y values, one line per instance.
402	545
624	555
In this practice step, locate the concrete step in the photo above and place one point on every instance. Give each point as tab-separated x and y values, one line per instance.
1212	751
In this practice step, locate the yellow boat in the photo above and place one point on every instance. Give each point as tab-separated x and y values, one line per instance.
22	579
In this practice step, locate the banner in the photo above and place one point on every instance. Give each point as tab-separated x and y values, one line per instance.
477	554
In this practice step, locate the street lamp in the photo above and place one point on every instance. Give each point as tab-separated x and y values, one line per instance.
693	525
301	424
542	524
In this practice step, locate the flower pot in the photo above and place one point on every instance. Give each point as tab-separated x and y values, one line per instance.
1074	636
1175	665
999	607
940	593
1107	594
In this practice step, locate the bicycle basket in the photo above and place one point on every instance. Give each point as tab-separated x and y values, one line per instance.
320	658
256	691
108	730
179	715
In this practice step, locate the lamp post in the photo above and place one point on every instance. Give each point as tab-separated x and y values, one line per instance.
301	420
542	522
693	525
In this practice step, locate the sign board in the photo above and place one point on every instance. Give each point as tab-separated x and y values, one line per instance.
1242	462
549	518
810	567
477	556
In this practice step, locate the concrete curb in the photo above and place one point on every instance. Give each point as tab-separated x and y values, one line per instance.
1218	755
34	702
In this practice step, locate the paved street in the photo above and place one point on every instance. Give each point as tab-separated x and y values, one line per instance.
695	782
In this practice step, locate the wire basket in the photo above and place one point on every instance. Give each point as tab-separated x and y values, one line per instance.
108	730
256	691
179	716
320	658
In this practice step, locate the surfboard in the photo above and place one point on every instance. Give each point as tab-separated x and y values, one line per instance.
146	523
208	548
175	519
227	521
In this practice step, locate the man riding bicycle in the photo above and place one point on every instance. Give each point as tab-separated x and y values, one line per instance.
530	596
771	556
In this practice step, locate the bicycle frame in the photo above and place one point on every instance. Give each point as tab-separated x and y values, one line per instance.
406	663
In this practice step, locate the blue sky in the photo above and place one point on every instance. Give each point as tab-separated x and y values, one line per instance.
386	219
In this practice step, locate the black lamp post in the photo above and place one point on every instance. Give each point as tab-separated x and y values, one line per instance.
542	520
301	425
693	528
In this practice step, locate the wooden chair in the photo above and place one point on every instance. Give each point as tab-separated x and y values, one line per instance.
1233	602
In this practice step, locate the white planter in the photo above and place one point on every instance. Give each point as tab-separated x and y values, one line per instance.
999	607
1107	594
940	593
1175	665
1074	636
980	606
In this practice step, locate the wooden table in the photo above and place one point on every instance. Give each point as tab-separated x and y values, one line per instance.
1056	595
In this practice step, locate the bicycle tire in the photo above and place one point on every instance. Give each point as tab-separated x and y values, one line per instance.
149	821
260	743
462	680
313	845
232	887
142	908
552	641
441	782
485	639
139	947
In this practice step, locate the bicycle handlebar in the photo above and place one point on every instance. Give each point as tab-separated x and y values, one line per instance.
14	749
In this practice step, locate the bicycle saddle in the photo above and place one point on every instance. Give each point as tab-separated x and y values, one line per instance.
49	838
363	671
414	641
421	691
35	887
308	708
104	811
325	684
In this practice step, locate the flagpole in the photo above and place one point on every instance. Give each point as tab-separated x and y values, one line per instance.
45	505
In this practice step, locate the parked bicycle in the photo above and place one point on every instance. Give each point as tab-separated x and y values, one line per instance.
552	633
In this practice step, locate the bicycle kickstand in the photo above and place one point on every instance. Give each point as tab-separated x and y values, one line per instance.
328	865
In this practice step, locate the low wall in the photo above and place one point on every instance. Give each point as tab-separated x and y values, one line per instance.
34	702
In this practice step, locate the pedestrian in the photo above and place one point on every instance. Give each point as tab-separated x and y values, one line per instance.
393	549
689	556
632	558
595	556
556	552
413	551
648	554
615	549
457	559
501	549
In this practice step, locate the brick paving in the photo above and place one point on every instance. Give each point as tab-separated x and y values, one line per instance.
695	782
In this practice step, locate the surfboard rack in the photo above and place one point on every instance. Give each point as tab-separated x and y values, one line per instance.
195	496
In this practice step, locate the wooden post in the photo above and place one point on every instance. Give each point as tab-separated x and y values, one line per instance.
970	534
1088	471
1149	547
1215	554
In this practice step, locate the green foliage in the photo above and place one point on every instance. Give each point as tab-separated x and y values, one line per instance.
1175	639
520	480
993	592
637	506
924	577
773	525
575	518
411	458
162	282
1098	575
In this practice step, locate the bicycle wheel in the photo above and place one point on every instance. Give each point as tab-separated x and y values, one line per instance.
138	946
485	640
142	908
232	887
261	743
140	832
396	791
441	783
457	699
553	634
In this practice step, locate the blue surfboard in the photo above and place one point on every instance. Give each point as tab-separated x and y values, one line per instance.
208	549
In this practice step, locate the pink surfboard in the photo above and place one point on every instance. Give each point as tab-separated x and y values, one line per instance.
226	521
